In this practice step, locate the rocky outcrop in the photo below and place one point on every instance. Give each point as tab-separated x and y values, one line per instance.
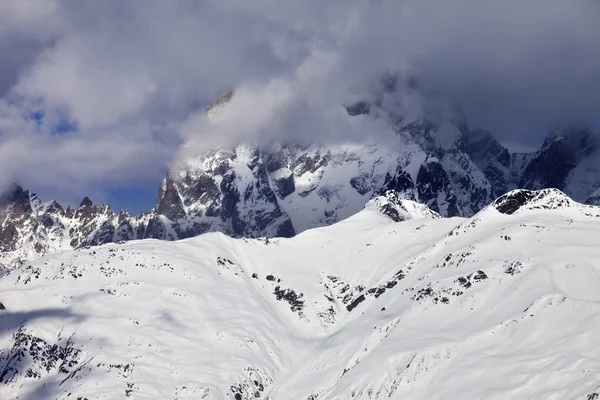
397	209
546	199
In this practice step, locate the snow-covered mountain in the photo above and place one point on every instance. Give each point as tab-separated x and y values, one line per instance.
279	190
504	304
569	159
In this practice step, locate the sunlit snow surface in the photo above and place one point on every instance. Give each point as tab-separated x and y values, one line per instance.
493	307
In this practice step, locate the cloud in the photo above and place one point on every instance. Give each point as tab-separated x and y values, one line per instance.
133	78
513	67
68	165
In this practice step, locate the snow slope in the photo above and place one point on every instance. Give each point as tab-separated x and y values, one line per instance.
501	305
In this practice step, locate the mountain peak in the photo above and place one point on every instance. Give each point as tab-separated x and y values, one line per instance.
13	193
574	131
594	198
86	202
223	97
398	209
521	199
17	197
169	202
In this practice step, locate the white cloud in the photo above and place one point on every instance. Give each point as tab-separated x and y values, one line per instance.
97	93
30	16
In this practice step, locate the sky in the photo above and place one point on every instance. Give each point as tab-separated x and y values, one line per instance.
100	97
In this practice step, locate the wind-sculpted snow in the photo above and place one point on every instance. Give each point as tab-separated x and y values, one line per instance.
497	306
398	209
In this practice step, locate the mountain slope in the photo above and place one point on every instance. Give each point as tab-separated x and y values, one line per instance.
492	158
502	305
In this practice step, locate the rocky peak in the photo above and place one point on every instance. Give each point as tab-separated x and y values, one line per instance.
568	132
169	202
280	189
86	202
223	97
87	211
394	96
15	208
398	209
564	148
571	142
491	157
15	199
54	208
594	198
519	200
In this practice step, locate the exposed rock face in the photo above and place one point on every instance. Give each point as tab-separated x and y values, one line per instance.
594	198
562	150
546	199
393	206
569	160
234	195
86	202
169	203
30	228
492	159
511	202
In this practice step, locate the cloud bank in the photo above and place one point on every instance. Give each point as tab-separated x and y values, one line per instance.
99	94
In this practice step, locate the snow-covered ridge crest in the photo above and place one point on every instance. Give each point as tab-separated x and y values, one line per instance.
393	206
520	200
364	309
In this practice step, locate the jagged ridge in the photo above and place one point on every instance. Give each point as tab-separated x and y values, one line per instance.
280	190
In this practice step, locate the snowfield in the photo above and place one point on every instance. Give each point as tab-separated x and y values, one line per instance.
503	305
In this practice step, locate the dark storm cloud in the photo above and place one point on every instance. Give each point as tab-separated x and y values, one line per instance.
511	65
133	78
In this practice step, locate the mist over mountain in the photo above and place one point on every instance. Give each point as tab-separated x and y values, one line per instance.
427	154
